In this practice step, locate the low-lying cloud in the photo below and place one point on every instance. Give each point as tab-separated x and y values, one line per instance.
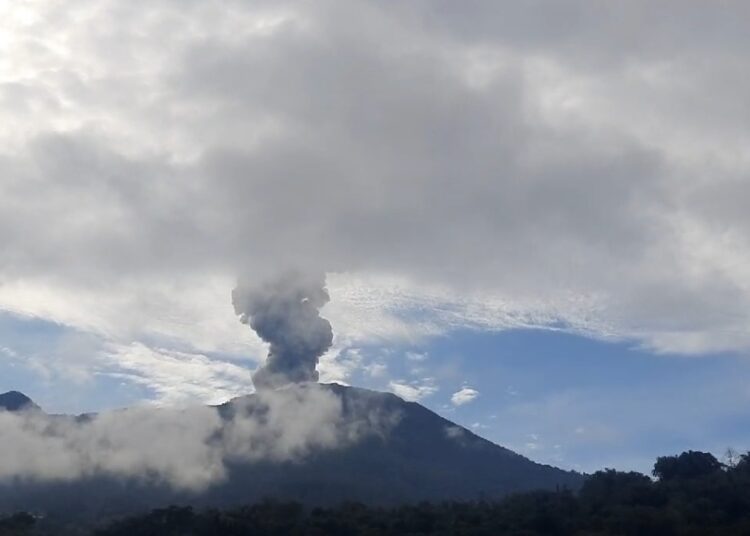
187	449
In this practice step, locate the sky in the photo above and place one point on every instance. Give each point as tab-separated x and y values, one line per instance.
531	216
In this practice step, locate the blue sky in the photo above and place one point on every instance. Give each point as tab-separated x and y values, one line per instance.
34	352
582	403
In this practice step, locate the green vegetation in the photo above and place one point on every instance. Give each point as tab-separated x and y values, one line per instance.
692	494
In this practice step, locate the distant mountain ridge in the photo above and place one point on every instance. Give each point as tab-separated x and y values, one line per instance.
15	401
421	457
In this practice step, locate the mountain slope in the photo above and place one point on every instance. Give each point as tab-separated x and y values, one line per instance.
15	401
423	457
420	456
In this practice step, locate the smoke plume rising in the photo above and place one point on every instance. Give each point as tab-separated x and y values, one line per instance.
285	313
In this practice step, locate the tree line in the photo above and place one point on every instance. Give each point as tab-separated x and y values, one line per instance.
690	494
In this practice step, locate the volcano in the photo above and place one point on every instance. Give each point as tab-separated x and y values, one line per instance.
422	456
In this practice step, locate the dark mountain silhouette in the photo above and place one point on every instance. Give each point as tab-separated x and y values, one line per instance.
422	457
15	401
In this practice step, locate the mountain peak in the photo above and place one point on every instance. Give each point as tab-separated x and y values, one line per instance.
16	401
418	456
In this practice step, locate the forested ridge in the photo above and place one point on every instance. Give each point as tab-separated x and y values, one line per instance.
690	494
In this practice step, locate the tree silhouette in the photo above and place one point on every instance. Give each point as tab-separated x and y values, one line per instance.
690	464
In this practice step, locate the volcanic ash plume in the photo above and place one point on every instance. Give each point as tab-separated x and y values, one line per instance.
285	313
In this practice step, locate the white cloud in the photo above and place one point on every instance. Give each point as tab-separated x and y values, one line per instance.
464	396
177	378
413	391
181	309
338	364
376	370
193	444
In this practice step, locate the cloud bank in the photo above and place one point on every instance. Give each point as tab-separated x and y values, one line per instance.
187	449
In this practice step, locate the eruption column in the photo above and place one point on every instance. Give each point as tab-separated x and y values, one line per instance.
285	313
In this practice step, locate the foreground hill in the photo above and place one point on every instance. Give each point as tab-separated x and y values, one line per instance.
418	456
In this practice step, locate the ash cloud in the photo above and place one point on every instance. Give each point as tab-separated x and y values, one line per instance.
284	312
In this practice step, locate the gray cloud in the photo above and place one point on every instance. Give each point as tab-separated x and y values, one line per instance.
525	151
